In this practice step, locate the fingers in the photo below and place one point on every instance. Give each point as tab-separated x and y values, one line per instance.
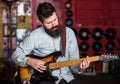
41	68
37	64
85	63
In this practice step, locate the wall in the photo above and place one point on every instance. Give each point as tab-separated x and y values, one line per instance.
96	24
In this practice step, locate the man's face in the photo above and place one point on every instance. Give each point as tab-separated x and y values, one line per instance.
51	22
52	26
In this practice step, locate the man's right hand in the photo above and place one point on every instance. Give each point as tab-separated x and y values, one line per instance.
37	64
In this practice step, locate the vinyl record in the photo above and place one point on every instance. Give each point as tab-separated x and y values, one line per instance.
97	46
110	34
84	46
84	34
68	5
69	22
69	13
110	45
97	34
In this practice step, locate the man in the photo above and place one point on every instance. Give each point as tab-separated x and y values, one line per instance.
46	40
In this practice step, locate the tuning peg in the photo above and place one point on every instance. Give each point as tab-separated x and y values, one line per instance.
108	57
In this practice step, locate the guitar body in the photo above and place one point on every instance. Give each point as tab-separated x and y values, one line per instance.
46	75
24	73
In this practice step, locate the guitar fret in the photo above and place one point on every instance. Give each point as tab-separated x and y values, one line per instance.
71	62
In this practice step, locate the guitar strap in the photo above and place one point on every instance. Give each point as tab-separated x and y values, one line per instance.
63	40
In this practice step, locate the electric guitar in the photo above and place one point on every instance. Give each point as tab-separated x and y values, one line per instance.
51	65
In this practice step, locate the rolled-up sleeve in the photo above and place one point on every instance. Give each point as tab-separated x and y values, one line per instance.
24	48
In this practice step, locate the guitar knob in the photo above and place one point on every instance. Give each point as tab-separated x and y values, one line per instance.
26	81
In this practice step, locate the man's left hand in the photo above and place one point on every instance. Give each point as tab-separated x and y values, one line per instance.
84	64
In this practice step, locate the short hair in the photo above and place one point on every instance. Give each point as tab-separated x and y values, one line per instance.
45	10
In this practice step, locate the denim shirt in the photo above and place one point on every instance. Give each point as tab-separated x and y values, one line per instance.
42	44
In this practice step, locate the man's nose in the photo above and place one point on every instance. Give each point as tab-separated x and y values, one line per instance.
53	24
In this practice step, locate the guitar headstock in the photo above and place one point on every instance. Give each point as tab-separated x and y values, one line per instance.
108	57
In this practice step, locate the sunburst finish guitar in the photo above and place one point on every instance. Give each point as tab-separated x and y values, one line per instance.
51	64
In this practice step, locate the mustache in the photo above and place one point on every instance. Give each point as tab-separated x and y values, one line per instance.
57	26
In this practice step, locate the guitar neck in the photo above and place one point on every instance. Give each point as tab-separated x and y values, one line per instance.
71	62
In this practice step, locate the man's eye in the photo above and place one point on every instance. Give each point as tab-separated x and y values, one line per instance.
48	22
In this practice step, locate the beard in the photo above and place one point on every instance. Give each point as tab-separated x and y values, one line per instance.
54	31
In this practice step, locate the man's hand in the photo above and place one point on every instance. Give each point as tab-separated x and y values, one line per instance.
84	64
36	64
